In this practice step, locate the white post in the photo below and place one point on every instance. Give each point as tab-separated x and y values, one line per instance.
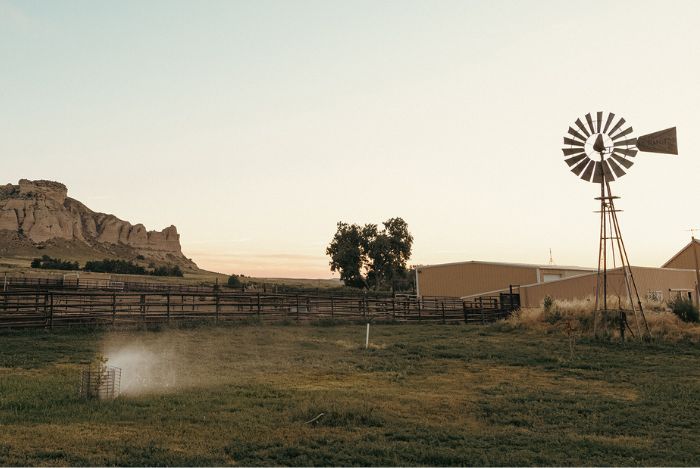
4	286
367	338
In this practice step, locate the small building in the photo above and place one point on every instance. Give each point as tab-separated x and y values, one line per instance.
467	280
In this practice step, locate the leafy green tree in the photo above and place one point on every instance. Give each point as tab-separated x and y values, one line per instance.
369	257
347	254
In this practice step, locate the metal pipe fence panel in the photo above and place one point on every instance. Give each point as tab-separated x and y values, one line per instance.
24	309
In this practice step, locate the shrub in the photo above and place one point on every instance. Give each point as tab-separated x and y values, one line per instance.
124	267
48	263
684	309
167	271
234	282
548	303
114	266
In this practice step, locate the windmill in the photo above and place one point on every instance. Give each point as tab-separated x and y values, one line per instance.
599	151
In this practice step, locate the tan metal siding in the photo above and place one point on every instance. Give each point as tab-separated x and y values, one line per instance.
464	279
583	287
685	259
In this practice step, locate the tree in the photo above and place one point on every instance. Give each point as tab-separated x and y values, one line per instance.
380	254
234	282
347	255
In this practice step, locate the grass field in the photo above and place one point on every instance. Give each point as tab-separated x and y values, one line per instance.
421	395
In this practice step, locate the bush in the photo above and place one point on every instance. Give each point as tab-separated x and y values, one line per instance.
114	266
684	309
168	271
123	267
548	303
48	263
234	282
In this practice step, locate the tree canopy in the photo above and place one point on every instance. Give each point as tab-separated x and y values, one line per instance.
368	256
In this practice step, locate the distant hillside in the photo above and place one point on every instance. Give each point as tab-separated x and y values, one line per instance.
37	217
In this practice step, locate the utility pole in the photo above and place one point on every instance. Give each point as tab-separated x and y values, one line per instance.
694	244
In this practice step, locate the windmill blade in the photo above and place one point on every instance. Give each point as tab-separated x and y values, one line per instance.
571	151
607	172
617	125
580	166
569	141
589	119
588	166
576	134
599	121
611	116
663	141
582	127
619	172
627	152
625	162
575	159
627	131
630	142
597	173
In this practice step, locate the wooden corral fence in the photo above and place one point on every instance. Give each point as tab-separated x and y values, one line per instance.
26	309
120	283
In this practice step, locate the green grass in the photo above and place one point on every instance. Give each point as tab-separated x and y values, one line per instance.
421	395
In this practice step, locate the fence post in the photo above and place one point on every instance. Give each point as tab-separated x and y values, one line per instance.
258	306
297	307
420	301
46	307
167	305
216	298
142	305
114	307
443	312
481	309
51	312
332	307
393	308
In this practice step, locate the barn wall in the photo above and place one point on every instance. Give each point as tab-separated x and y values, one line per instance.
685	258
583	287
464	279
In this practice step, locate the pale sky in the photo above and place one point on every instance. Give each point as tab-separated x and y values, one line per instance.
254	126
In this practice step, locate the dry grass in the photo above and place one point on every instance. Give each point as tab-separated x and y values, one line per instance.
576	316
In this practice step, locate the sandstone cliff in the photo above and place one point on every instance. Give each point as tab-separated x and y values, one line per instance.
40	212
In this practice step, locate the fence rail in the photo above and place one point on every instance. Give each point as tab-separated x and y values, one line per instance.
25	309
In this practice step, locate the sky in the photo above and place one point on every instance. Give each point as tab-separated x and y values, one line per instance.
255	126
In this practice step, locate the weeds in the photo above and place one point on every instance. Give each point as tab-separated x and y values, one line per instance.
560	315
684	309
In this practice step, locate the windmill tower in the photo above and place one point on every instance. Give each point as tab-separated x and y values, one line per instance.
599	151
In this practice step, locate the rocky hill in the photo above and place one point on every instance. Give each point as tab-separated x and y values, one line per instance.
37	215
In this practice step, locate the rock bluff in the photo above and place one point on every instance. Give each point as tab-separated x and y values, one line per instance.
41	211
